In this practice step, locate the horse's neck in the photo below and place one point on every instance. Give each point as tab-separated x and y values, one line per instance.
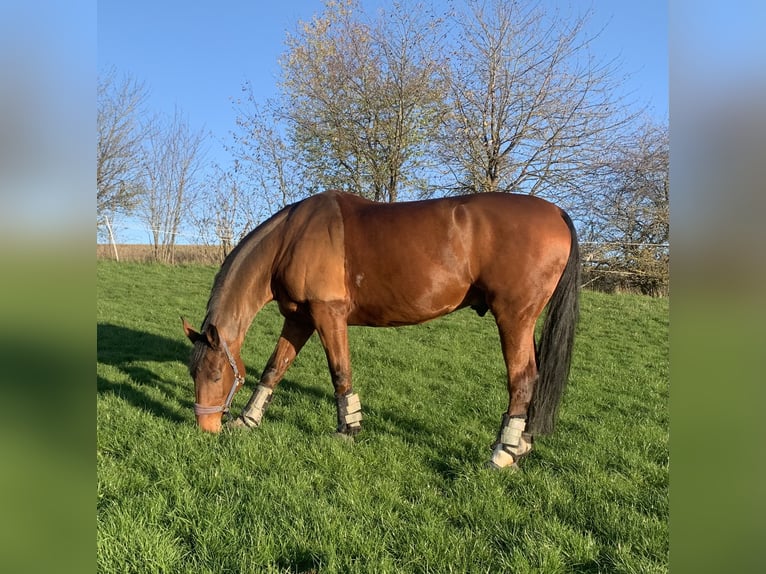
245	290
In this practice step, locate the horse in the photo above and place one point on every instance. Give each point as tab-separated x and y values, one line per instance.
336	259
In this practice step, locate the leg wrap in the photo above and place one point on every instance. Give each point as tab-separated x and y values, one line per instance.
512	442
349	413
253	412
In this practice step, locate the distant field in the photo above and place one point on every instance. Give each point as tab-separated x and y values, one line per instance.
185	254
411	494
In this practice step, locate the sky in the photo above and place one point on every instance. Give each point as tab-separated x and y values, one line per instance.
196	56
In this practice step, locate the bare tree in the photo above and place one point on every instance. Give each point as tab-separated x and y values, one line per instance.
265	161
172	160
122	128
361	97
628	223
225	211
530	108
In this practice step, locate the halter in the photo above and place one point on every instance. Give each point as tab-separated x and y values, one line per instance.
238	381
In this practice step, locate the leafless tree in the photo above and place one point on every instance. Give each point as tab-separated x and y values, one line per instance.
530	109
265	161
122	127
225	212
628	221
170	171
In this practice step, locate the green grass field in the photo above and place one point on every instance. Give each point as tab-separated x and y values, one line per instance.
411	494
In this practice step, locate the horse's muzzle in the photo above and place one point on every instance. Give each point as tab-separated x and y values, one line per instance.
209	423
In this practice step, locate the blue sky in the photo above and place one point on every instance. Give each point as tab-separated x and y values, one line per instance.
197	55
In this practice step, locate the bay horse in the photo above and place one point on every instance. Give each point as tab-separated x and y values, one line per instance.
336	259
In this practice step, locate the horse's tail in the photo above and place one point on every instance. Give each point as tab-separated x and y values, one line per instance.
554	349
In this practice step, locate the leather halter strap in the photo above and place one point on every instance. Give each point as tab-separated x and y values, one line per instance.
238	381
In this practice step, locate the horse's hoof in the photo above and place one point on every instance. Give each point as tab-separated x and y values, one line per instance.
238	423
510	468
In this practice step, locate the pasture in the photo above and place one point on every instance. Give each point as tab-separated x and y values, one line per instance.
411	494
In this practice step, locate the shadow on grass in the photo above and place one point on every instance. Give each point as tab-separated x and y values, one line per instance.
448	455
126	349
303	561
291	387
129	351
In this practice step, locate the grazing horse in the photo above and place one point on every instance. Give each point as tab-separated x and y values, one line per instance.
335	259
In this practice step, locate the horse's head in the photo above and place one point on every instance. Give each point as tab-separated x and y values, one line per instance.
217	375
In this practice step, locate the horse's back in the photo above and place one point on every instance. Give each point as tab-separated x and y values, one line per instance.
413	261
482	227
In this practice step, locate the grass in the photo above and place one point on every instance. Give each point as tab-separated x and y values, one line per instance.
411	494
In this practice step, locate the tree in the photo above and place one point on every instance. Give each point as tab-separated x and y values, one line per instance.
265	161
361	98
629	221
530	110
170	169
121	131
500	97
226	212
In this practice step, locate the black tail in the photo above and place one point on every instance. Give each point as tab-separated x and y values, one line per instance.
554	350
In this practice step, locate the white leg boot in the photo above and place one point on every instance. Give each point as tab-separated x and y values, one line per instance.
512	443
252	414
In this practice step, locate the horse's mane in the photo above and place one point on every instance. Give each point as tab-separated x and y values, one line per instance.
239	254
230	264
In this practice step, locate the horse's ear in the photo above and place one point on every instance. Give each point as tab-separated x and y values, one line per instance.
191	334
212	337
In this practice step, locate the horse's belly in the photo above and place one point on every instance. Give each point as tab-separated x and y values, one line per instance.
406	301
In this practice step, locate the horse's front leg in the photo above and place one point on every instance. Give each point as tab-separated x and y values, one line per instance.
294	335
330	321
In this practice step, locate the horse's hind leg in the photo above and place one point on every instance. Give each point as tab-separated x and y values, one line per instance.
330	321
517	340
294	335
